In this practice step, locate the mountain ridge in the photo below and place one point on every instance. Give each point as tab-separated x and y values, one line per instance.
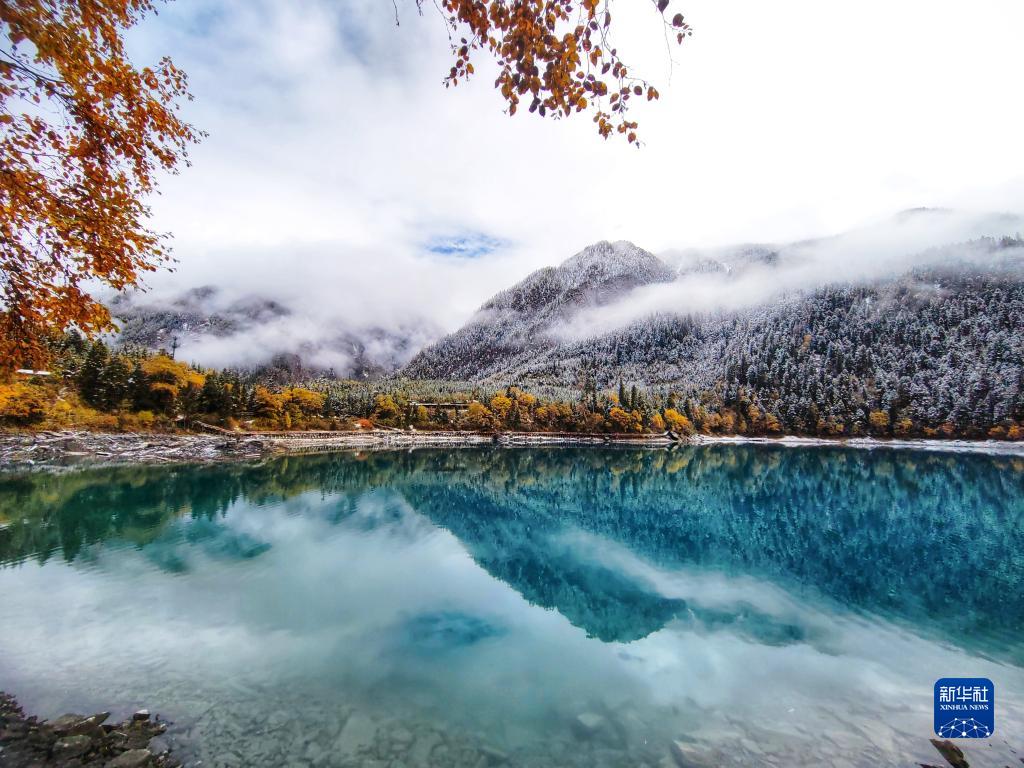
515	321
937	344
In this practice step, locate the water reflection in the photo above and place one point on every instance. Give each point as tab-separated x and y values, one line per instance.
784	599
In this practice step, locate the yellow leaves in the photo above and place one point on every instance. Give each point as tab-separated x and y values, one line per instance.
501	405
537	47
267	404
304	401
169	378
21	404
621	420
78	170
386	409
164	387
678	422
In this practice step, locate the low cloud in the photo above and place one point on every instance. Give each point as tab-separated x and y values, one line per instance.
374	308
343	180
330	309
746	276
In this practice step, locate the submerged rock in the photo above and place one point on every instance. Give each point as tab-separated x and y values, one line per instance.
953	754
133	758
359	731
424	745
589	724
494	756
688	755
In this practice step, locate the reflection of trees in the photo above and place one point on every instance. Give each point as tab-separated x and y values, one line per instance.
918	535
907	533
42	514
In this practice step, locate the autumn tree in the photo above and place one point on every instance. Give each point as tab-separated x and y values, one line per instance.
83	134
421	416
621	420
387	410
301	404
21	404
879	421
268	405
172	384
480	418
555	57
501	405
678	422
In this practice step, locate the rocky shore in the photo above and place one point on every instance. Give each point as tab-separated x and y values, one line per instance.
22	450
310	736
48	449
75	741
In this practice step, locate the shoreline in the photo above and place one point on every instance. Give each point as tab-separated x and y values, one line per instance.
63	449
989	447
74	740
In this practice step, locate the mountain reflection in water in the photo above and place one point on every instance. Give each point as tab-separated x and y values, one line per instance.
775	594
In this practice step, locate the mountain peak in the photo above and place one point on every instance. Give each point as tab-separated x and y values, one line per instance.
606	259
517	322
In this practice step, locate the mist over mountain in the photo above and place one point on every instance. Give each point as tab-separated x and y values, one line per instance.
261	334
517	323
918	317
933	337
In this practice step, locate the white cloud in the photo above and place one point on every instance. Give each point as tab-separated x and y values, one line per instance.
884	249
335	153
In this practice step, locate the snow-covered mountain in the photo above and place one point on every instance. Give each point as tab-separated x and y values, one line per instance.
935	336
914	322
515	326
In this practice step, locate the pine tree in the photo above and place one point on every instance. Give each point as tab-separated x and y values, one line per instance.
90	375
139	392
115	384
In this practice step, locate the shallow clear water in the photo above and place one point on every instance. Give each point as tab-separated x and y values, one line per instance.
539	607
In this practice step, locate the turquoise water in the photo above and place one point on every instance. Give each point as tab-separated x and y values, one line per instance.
754	605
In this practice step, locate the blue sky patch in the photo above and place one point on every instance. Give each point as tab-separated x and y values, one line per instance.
464	246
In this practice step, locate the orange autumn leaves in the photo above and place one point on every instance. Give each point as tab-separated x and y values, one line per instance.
554	56
83	134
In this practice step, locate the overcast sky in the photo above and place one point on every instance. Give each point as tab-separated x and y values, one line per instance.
338	168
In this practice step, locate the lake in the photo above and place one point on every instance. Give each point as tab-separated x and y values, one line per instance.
732	604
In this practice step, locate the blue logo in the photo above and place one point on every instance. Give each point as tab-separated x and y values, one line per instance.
965	708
